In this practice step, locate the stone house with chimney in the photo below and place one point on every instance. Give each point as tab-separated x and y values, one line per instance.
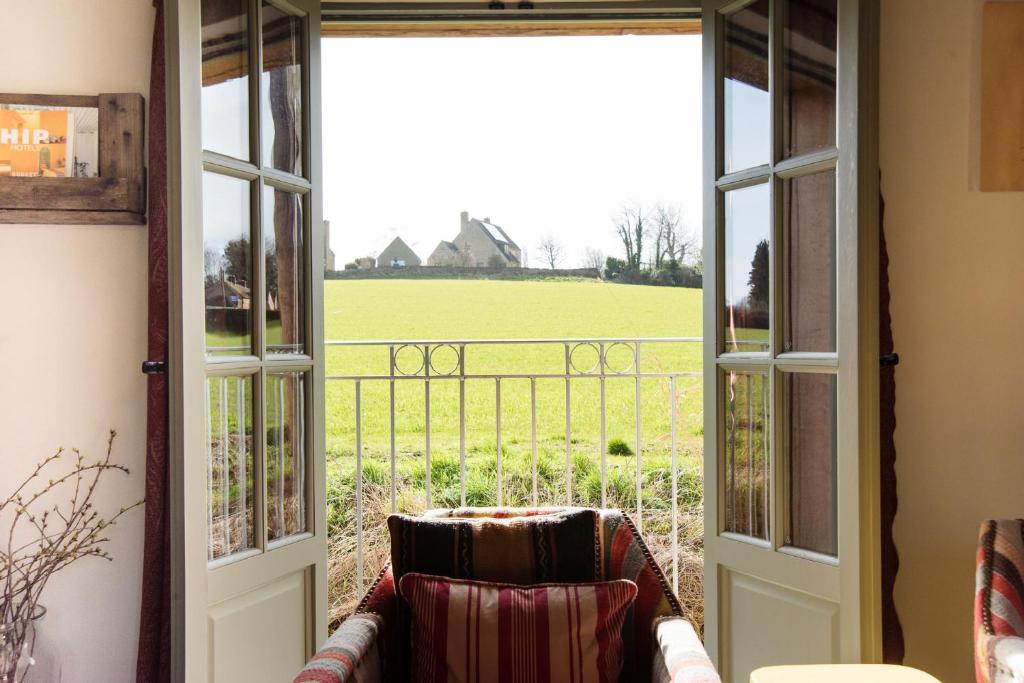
479	244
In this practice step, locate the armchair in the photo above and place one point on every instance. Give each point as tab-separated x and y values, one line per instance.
660	645
999	603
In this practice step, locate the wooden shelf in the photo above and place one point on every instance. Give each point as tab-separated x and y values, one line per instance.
117	196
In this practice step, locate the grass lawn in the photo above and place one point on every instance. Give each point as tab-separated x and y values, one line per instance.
487	309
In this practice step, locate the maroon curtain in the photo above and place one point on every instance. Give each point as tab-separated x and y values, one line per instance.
892	631
154	663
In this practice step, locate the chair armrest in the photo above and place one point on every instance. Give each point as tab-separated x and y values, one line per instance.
352	653
1006	659
679	656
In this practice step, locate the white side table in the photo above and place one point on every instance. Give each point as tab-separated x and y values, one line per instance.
841	673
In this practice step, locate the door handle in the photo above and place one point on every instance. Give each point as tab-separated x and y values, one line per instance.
154	367
889	360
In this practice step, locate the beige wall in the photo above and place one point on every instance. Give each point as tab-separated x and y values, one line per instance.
73	333
957	279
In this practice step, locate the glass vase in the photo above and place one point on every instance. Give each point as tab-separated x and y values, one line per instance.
17	641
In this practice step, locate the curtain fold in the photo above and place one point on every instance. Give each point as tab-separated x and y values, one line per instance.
892	631
154	658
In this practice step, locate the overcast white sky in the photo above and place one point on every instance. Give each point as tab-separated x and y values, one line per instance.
541	135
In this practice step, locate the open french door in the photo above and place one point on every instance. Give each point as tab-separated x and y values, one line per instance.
791	352
246	361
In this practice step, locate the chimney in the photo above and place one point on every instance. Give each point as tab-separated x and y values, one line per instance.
464	219
487	219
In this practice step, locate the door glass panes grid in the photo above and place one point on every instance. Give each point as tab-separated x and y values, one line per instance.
255	242
777	389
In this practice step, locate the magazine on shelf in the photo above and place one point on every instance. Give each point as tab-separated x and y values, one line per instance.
48	142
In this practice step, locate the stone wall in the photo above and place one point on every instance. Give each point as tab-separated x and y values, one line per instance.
462	273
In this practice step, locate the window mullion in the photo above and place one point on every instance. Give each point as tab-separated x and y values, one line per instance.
256	87
259	270
776	483
260	454
777	418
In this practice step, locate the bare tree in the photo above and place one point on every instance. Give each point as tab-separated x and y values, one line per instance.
593	258
211	264
673	242
550	251
631	226
664	223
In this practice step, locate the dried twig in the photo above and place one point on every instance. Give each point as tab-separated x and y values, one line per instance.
59	535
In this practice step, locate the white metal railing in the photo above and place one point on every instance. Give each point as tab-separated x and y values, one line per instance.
599	360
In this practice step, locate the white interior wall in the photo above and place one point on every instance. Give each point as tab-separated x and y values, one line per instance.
73	334
956	282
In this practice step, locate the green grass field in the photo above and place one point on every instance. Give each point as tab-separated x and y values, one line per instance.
484	309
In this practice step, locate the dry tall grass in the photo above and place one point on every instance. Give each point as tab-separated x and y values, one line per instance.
344	593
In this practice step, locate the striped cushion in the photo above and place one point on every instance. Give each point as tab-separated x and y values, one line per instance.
557	546
999	591
477	632
622	554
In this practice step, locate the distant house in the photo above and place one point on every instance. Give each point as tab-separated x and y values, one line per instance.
444	254
479	244
226	292
366	263
397	255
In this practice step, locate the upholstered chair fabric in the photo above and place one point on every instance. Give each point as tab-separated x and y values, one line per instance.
352	653
679	656
659	645
999	603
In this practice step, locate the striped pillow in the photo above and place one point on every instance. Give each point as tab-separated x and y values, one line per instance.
560	546
477	632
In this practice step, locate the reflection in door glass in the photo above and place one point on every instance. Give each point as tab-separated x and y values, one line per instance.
286	461
229	465
747	463
747	120
747	268
809	262
227	265
808	76
282	90
811	464
282	237
225	98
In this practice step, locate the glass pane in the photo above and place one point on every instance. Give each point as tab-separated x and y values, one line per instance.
747	117
227	265
809	262
747	458
282	236
811	465
747	267
225	99
286	462
229	465
808	76
282	90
